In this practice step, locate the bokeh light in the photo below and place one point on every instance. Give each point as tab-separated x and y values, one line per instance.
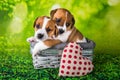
19	14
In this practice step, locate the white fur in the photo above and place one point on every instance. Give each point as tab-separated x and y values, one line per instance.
64	37
64	25
43	30
39	44
38	47
31	39
81	41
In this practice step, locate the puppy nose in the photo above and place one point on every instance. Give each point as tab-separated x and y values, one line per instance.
61	31
40	36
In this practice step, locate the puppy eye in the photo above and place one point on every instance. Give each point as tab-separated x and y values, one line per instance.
37	26
67	24
48	29
58	20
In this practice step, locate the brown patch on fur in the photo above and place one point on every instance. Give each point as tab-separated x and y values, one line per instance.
75	35
53	29
51	42
38	21
50	25
60	13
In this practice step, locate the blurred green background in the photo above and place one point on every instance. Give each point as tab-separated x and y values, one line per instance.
98	20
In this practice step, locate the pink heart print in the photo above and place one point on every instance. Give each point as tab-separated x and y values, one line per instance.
73	63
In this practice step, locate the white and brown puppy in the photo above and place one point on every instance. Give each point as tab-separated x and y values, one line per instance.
45	32
45	28
65	23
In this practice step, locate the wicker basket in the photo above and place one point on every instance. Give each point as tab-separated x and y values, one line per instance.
50	58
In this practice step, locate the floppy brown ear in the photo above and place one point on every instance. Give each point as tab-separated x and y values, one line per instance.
35	22
73	20
56	31
52	13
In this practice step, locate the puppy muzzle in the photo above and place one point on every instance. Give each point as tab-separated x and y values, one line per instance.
40	36
61	31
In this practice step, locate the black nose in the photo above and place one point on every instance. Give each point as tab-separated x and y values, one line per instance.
40	36
61	31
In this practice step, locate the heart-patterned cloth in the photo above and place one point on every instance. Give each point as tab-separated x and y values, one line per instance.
73	63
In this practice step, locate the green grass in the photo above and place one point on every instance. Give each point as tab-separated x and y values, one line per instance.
16	63
96	19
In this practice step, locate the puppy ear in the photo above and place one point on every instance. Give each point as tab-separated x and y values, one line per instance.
52	13
35	22
73	21
56	31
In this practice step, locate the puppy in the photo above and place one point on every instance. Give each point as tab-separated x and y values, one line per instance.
45	32
65	23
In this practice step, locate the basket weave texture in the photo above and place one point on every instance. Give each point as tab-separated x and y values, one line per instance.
50	58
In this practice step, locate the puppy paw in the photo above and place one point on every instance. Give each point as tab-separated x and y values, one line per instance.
31	39
39	47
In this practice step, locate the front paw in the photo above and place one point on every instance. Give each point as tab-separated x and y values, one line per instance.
31	39
39	47
35	52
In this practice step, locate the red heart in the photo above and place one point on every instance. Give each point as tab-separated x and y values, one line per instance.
73	63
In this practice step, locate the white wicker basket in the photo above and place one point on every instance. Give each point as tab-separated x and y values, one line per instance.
50	58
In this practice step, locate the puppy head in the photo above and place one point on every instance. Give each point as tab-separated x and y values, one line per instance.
45	28
63	18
